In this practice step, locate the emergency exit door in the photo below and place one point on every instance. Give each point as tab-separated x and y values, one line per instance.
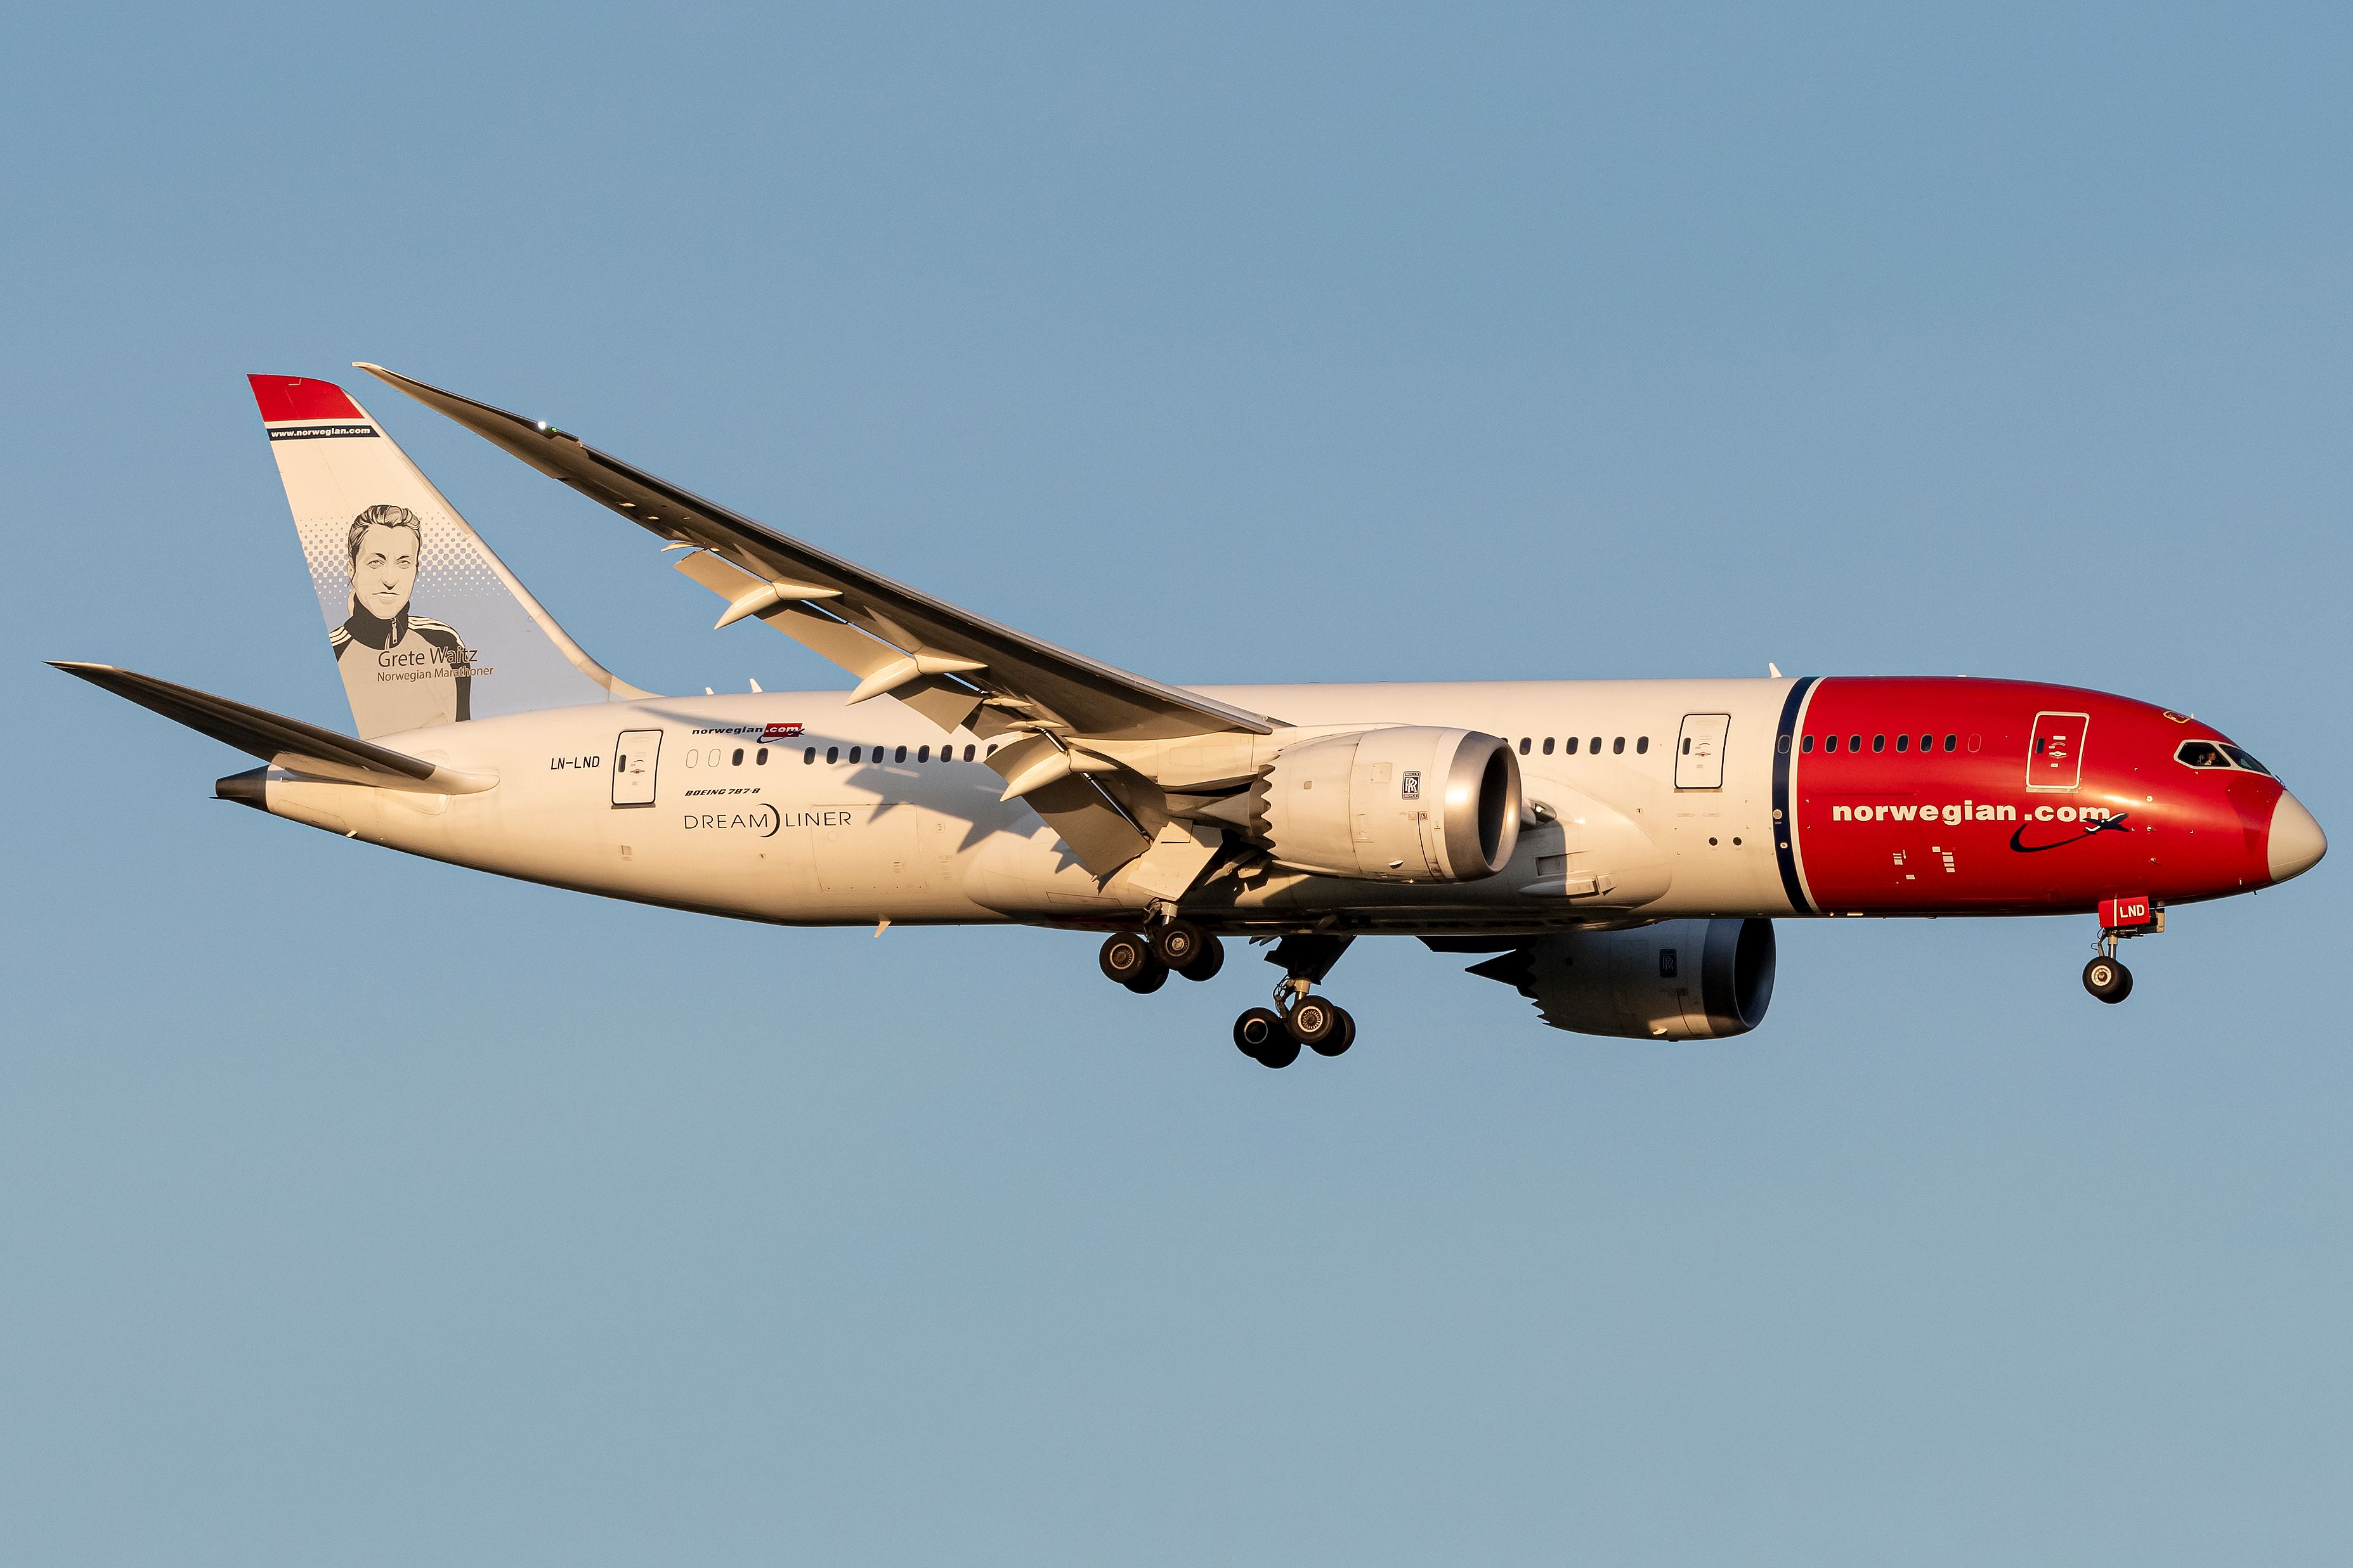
636	755
1699	754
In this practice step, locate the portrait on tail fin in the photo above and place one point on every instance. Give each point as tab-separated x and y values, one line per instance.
417	671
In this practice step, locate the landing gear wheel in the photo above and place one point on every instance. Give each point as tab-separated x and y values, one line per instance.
1179	944
1125	957
2107	979
1340	1039
1206	963
1314	1021
1154	975
1259	1035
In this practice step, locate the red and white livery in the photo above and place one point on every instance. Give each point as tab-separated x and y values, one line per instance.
1617	850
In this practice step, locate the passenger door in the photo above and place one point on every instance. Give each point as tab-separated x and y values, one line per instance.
1699	755
636	756
2055	759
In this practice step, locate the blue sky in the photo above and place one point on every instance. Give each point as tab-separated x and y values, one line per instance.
1229	345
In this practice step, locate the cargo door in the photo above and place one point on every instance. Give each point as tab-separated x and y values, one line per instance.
636	755
1699	754
2055	758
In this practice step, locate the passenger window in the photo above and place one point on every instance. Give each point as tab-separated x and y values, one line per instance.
739	757
1807	745
902	756
833	753
763	758
1568	747
1927	743
809	757
1903	743
854	751
1952	743
2245	760
1524	745
2201	754
1854	742
1829	743
1618	747
1547	745
1596	747
1641	745
923	754
967	753
1686	745
1879	742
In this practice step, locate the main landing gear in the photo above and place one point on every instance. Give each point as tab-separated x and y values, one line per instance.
1273	1038
1300	1020
1143	961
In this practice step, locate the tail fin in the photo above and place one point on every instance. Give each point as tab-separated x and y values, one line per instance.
427	625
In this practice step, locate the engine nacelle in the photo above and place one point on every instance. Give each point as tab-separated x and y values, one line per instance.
1677	980
1400	804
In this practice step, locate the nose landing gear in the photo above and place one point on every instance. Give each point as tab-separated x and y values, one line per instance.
2106	976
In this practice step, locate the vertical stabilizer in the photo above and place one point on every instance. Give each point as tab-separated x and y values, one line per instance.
427	625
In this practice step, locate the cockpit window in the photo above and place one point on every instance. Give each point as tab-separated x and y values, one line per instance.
2245	760
2201	754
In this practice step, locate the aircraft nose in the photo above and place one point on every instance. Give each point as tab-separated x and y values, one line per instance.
2296	842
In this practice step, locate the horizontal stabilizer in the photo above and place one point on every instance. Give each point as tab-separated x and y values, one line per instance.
284	742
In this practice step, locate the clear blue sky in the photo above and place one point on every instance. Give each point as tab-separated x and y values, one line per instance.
1247	343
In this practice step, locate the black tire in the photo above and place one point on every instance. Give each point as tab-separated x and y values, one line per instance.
1154	975
1124	956
2107	979
1258	1031
1179	944
1340	1039
1282	1053
1312	1021
1206	963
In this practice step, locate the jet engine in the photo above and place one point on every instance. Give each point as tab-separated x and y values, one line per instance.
1675	980
1400	804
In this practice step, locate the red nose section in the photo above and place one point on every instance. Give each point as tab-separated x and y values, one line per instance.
285	398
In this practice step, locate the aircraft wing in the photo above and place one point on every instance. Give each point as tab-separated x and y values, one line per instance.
276	740
954	666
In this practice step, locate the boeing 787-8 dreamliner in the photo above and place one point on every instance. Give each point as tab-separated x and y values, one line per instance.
1617	851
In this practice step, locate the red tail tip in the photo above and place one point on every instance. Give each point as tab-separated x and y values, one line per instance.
292	397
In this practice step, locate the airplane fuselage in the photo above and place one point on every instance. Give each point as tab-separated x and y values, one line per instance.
1647	800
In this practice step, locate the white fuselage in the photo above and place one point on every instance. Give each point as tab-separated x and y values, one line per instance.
796	841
